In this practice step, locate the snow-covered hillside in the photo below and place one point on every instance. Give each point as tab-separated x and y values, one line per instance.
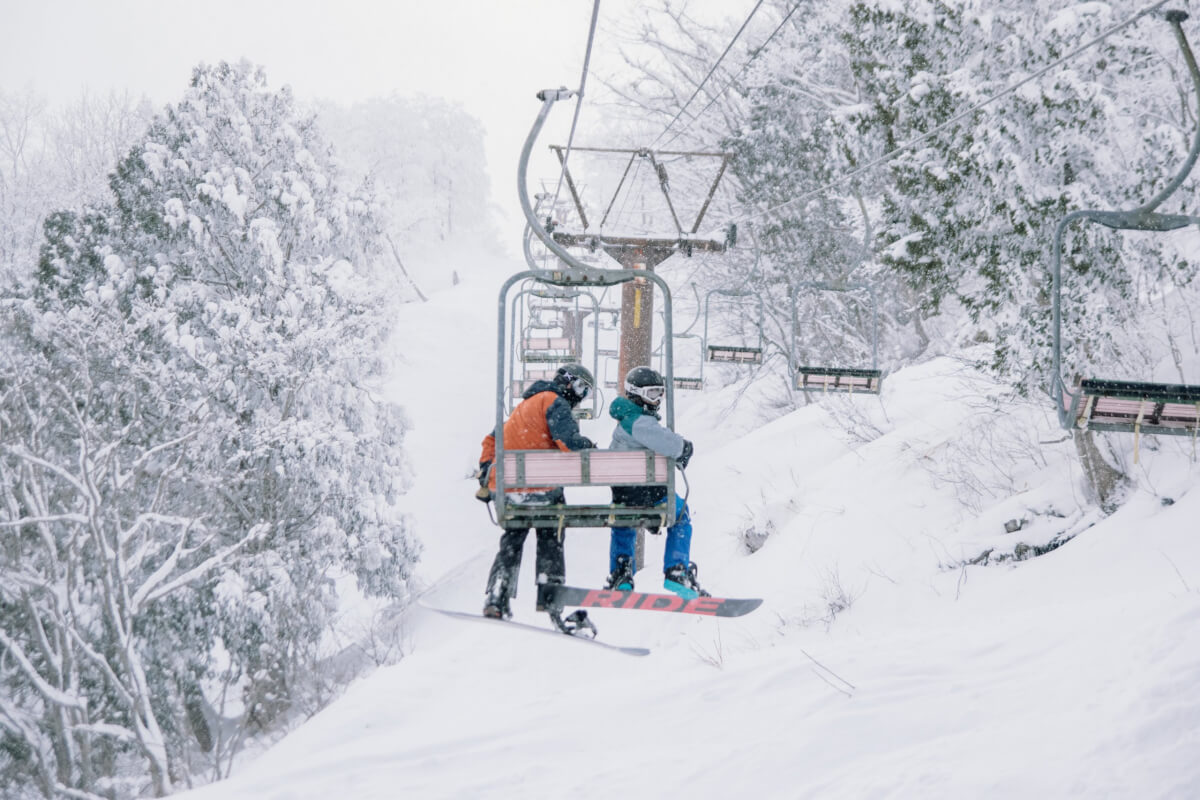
881	663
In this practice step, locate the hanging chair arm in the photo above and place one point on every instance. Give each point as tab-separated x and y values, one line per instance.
1176	18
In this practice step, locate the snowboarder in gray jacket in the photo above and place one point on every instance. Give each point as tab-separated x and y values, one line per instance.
638	428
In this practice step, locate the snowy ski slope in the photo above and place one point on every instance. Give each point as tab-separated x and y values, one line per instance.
879	664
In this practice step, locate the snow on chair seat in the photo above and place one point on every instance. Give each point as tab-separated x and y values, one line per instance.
1138	407
835	379
538	469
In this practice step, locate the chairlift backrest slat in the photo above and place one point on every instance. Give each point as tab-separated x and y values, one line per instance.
583	468
830	379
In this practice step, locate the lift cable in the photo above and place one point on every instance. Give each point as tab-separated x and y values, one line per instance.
758	51
711	72
587	57
891	155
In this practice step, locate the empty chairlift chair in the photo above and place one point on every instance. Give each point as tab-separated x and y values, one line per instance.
1123	405
728	353
611	316
540	356
688	383
837	379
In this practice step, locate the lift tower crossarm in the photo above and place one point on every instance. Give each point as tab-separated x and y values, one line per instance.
660	172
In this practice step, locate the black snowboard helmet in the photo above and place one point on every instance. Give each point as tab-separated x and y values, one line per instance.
645	387
577	382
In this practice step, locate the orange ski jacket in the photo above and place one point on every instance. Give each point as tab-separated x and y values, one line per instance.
542	421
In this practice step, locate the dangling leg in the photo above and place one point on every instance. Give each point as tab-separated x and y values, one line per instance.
679	538
502	580
551	566
621	558
552	571
679	573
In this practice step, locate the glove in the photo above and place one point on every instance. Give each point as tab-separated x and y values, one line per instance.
482	473
685	456
483	494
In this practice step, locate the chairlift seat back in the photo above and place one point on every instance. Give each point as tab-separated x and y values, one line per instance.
838	379
1130	406
736	355
534	469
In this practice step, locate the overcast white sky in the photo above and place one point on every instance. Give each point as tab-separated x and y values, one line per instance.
490	55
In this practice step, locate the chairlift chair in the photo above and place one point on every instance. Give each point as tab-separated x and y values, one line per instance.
690	383
837	379
523	471
737	354
546	352
687	383
1123	405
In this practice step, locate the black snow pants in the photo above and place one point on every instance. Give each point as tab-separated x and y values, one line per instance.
551	565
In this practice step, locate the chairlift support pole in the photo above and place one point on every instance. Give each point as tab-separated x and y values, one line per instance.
1071	407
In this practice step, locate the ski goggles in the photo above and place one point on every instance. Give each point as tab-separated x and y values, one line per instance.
651	393
580	387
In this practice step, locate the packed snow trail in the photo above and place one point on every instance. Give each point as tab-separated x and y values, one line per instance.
880	664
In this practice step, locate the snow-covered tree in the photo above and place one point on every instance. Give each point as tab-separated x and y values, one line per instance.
192	425
424	161
56	158
963	214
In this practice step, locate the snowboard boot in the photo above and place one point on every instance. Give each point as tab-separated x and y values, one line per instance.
496	606
544	602
621	577
681	579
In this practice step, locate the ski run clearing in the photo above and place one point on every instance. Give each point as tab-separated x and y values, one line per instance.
881	664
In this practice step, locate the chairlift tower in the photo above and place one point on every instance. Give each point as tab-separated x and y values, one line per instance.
640	252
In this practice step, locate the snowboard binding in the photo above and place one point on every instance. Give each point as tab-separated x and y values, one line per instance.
575	624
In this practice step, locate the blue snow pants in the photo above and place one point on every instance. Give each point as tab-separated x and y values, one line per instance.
679	541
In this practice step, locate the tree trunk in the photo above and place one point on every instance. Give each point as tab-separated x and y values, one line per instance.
1105	483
